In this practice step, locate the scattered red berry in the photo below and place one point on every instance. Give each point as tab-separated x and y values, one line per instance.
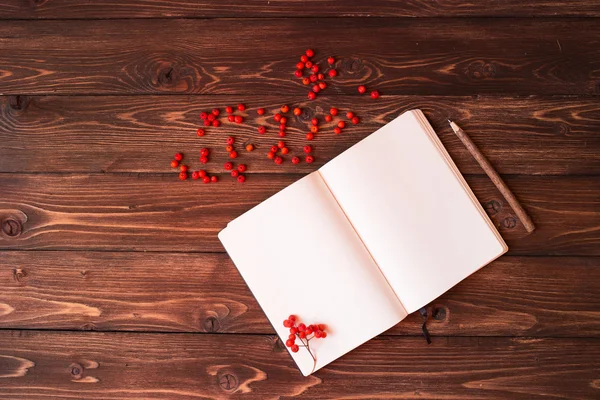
287	323
231	118
249	147
281	133
283	121
328	118
271	155
310	136
202	173
228	109
274	149
178	156
290	342
297	111
330	60
200	132
242	167
204	151
295	348
303	58
309	53
295	160
235	173
183	176
216	111
241	179
238	119
280	144
341	124
195	175
309	159
349	115
355	120
260	111
203	115
333	111
332	73
216	123
298	73
300	66
322	85
315	68
282	127
241	107
315	121
320	76
203	159
206	179
314	129
308	64
262	130
174	164
207	122
285	150
316	89
183	168
362	89
233	154
374	94
214	178
307	149
312	95
229	148
305	81
285	108
337	130
228	165
211	117
230	140
313	78
277	117
278	160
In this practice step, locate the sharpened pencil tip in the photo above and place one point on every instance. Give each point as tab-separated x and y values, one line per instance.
449	121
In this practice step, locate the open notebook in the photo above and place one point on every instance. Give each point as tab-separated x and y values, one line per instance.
372	236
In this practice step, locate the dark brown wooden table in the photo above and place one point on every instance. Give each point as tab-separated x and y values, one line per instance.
113	284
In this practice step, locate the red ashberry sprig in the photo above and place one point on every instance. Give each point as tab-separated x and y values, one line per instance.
303	333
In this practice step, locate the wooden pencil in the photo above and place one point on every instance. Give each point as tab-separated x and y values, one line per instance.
491	172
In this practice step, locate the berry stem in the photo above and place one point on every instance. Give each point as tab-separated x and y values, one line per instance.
307	345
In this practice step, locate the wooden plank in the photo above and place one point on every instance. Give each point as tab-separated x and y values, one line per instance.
62	9
549	135
178	292
445	56
157	212
59	365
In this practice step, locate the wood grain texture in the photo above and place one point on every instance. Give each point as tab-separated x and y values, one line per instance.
178	292
47	365
157	212
61	9
548	135
220	56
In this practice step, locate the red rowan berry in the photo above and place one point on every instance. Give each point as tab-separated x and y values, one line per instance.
206	179
307	149
229	148
310	53
312	95
238	119
260	111
303	58
277	117
203	159
320	76
283	121
281	133
195	175
216	123
241	107
285	150
295	348
249	147
278	160
202	173
301	327
228	165
315	68
309	159
174	164
292	318
282	127
310	136
214	178
183	176
355	120
287	323
341	124
204	151
297	111
316	89
308	64
211	117
337	130
241	179
216	111
242	167
207	122
280	144
328	118
332	73
228	109
333	111
233	154
178	156
305	81
330	60
362	89
313	78
235	173
271	155
295	160
314	129
315	121
262	130
375	94
230	140
322	85
300	66
274	149
200	132
183	168
285	108
231	118
203	115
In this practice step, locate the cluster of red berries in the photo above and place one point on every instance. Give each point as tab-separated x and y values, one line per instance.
236	172
315	77
362	90
183	170
303	333
210	119
238	119
281	147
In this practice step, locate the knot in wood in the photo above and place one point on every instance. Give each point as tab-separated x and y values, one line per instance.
19	274
481	69
563	129
307	114
166	76
11	227
493	207
509	222
352	65
211	324
38	2
228	382
439	313
76	371
18	103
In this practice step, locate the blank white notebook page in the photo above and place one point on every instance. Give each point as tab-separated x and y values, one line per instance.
299	255
411	211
